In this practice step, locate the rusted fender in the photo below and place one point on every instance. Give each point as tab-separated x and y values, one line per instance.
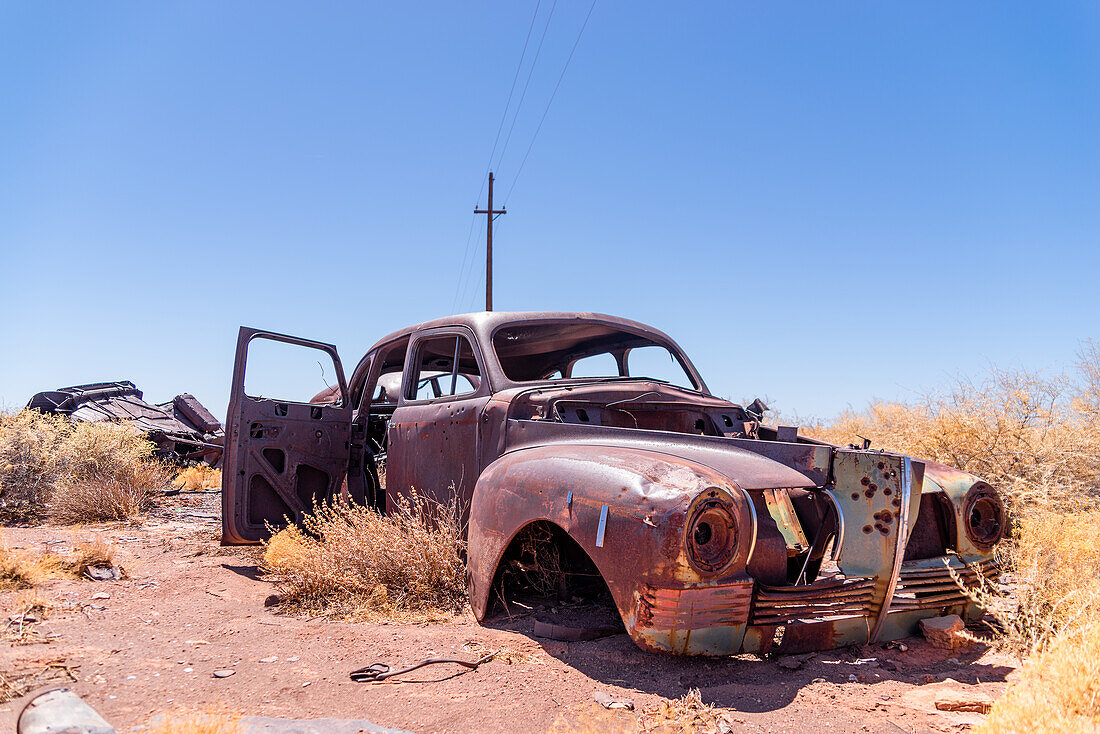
963	490
625	507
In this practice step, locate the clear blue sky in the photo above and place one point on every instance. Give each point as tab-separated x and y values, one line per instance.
823	202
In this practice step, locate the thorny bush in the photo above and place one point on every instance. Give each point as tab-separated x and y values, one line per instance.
1037	438
349	560
74	472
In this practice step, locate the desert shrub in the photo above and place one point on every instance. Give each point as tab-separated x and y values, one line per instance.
74	472
121	493
350	560
1034	437
32	460
197	478
1058	691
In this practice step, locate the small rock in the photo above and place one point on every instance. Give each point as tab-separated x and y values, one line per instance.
927	678
817	680
944	632
902	647
131	677
973	701
224	673
188	670
268	660
308	682
953	661
794	662
608	702
852	678
101	595
272	600
103	573
293	659
889	665
25	618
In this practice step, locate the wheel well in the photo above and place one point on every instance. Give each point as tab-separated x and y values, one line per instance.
543	563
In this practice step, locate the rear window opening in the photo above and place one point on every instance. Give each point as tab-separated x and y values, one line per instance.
555	351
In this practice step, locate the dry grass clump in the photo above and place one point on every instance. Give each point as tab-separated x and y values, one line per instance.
74	472
196	723
198	478
122	493
1037	439
23	570
687	714
1058	691
1034	437
349	560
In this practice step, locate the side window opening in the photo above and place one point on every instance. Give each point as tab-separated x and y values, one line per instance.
290	373
445	367
387	388
595	365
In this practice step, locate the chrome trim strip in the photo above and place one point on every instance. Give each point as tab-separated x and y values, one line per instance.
899	547
602	527
838	544
752	514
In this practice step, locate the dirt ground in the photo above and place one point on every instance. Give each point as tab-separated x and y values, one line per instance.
189	607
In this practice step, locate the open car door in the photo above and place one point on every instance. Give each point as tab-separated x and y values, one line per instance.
281	456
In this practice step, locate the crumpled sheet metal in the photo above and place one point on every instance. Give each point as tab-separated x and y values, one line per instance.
182	428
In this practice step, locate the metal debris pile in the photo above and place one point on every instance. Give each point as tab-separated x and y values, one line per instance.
182	428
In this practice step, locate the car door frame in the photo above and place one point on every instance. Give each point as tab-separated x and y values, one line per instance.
418	422
317	432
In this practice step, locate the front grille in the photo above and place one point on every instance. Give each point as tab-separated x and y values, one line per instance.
837	597
933	588
696	608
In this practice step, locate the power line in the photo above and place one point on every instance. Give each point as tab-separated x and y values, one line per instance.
527	83
515	78
500	127
552	95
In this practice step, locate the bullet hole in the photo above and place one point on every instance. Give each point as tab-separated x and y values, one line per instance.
881	466
867	529
895	502
887	491
865	481
855	495
869	493
884	530
874	486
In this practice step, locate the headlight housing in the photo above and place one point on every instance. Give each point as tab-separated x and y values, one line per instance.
983	516
711	532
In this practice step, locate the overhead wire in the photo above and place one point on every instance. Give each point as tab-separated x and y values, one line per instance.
526	84
553	94
500	127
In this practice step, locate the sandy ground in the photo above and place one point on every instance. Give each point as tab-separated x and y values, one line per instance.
189	607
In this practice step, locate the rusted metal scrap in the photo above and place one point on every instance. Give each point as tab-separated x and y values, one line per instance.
597	466
182	428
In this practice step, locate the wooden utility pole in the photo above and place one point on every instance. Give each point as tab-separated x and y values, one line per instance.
491	212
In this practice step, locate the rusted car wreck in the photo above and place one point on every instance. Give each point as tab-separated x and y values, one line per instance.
594	440
182	428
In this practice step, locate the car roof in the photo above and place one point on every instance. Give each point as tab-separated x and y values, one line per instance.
483	323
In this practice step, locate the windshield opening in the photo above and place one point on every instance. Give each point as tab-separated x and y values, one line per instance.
555	351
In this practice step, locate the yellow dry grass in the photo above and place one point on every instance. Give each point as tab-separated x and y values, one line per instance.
350	561
198	478
74	472
196	723
23	570
1037	438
